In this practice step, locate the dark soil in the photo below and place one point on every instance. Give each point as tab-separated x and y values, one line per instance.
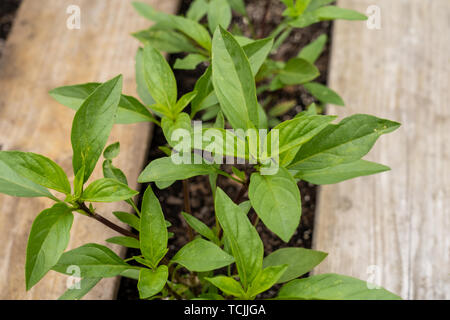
8	10
202	204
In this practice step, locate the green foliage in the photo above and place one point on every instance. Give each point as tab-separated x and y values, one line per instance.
201	256
85	285
130	110
93	260
153	230
152	281
245	244
219	14
233	81
333	287
276	199
298	260
92	124
107	190
49	237
33	167
224	257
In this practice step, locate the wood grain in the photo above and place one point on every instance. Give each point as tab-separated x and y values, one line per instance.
41	54
398	221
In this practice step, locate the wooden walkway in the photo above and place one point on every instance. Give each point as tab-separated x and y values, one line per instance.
397	223
42	53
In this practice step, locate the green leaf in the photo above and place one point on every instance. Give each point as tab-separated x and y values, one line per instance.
245	206
197	10
128	218
333	287
341	172
151	282
193	30
35	168
228	285
238	173
209	296
333	13
295	132
107	190
153	230
112	151
78	183
151	14
313	50
219	14
299	261
131	273
73	96
169	126
128	242
14	185
305	20
85	285
189	27
238	6
281	108
223	142
200	227
164	184
323	93
164	169
301	5
242	40
92	125
246	246
184	101
297	9
93	260
220	121
141	84
345	142
166	40
288	3
205	93
189	62
257	52
313	5
159	78
201	255
109	171
276	84
130	110
298	71
49	237
265	279
276	200
233	81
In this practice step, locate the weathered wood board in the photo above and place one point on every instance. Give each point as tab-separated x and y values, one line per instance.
394	224
41	54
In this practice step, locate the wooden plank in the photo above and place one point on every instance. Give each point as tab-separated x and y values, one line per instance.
42	53
397	221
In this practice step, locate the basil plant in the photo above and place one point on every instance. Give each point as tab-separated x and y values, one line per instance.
225	261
